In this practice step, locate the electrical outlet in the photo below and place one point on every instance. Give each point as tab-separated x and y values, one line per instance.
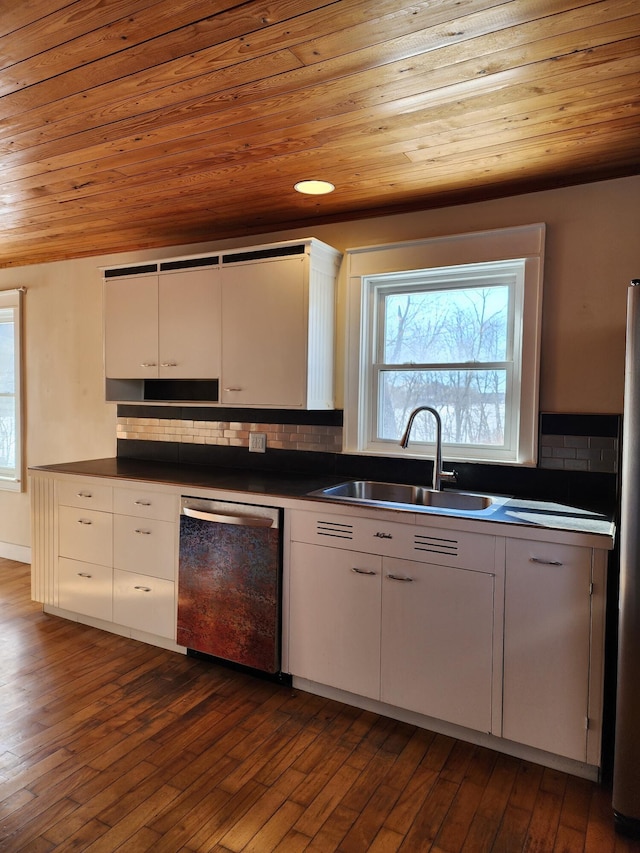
257	442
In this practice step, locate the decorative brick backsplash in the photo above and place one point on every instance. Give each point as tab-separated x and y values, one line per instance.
327	439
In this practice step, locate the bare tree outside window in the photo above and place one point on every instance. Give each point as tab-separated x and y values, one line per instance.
448	348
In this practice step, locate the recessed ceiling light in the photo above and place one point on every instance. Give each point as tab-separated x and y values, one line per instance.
314	187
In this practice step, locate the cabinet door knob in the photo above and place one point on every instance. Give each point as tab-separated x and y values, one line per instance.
544	562
403	578
362	571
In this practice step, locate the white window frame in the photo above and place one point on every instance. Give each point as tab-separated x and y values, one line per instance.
11	300
369	268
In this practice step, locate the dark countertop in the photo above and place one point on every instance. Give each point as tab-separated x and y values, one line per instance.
506	510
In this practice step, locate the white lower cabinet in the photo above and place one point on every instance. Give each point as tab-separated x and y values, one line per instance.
85	588
437	641
416	635
144	603
335	617
548	647
114	554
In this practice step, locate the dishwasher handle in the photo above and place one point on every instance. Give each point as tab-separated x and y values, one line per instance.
228	518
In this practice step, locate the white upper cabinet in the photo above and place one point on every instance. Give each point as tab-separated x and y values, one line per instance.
131	327
163	326
257	323
264	358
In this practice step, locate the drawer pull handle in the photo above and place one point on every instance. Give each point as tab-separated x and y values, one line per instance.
84	495
142	503
381	535
544	562
84	575
403	578
362	571
143	588
233	388
168	364
148	364
143	532
84	521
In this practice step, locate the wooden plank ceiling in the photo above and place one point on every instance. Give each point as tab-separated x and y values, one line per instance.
139	123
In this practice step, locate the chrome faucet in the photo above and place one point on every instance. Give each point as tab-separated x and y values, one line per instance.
438	474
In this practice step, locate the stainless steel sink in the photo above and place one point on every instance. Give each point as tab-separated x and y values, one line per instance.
372	492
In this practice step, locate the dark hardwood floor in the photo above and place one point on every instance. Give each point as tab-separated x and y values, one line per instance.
108	744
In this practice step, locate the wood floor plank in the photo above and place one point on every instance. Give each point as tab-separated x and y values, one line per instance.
168	754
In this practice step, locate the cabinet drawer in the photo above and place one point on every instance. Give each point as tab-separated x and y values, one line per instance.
404	541
85	535
146	546
144	603
85	494
366	535
146	504
85	588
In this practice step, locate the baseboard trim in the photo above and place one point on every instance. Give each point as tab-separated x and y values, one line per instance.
20	553
498	744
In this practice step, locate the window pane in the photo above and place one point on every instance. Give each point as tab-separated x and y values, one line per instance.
445	326
471	404
7	391
7	358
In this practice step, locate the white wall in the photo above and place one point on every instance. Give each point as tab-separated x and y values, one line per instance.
593	250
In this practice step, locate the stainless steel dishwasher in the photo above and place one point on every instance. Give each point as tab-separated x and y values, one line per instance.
229	582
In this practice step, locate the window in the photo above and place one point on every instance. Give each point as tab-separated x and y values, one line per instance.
10	407
461	338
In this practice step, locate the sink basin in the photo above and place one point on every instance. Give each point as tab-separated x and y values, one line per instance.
372	492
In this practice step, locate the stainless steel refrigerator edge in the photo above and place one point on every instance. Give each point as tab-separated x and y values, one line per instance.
626	771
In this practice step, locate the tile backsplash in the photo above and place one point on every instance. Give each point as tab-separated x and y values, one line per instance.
580	443
231	433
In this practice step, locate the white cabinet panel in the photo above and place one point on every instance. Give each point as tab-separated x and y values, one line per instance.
437	642
131	327
163	326
406	541
547	646
189	324
335	618
146	504
264	333
144	545
85	588
85	535
144	603
85	494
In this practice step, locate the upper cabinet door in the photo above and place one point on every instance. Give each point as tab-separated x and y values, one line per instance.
264	333
131	327
165	326
189	324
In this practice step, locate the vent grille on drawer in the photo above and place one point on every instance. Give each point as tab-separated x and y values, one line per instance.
334	529
435	544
